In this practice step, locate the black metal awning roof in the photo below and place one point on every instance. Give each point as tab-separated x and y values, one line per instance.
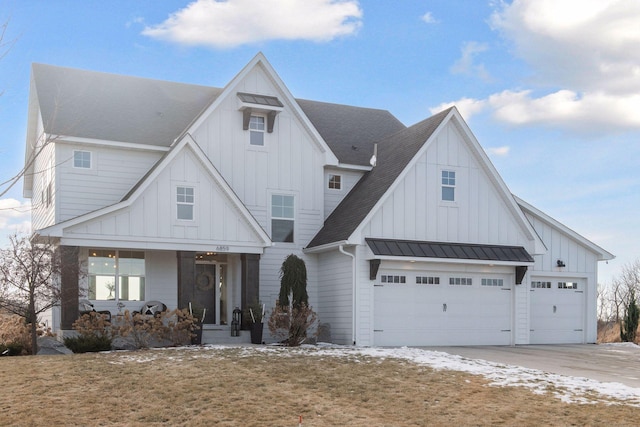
419	249
252	98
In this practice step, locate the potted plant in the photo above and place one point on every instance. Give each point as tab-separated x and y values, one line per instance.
256	318
198	314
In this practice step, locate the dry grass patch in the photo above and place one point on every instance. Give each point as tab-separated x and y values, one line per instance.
243	386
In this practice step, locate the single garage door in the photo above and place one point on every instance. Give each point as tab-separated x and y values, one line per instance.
557	311
426	308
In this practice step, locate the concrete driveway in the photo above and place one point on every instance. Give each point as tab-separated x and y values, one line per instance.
601	362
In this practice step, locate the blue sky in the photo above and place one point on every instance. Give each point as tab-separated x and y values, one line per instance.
550	88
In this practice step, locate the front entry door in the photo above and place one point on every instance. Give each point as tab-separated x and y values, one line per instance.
204	291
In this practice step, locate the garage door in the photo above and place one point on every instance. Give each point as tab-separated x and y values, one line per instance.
557	311
421	309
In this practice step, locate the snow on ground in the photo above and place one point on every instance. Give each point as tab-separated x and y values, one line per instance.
568	389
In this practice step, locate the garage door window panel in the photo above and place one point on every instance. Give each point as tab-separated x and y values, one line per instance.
492	282
540	285
390	278
427	280
568	285
461	281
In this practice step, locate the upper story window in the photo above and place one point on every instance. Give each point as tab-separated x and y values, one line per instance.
256	130
116	275
448	186
185	198
335	182
82	159
282	218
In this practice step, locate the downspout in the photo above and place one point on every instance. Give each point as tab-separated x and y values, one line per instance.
353	292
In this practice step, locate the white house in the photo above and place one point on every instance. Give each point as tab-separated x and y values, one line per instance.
181	193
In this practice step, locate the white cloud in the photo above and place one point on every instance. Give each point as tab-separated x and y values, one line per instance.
587	112
466	106
499	151
585	45
225	24
584	56
428	18
466	65
14	218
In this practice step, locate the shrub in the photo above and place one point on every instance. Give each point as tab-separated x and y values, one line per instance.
88	343
175	326
14	335
630	321
290	325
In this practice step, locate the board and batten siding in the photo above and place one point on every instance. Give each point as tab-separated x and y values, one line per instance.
580	262
114	171
43	214
152	216
415	211
335	295
333	197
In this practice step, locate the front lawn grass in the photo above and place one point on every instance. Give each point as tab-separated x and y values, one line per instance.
248	387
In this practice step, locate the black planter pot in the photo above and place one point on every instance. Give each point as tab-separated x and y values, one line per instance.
196	335
256	333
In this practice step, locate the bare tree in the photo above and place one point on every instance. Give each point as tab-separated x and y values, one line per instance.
29	275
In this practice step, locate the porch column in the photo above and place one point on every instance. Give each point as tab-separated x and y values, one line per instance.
186	277
250	281
69	286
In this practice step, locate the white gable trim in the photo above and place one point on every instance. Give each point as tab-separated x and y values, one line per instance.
230	90
57	230
603	255
106	143
455	117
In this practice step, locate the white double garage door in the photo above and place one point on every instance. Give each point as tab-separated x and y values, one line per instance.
435	309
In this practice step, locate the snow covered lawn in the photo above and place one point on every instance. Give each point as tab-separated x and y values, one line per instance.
326	385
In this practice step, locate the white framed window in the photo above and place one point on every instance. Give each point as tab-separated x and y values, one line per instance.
256	130
427	280
448	186
185	201
335	182
116	275
81	159
282	218
567	285
492	282
462	281
390	278
540	285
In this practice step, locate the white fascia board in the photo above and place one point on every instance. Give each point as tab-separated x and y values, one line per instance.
327	247
31	139
354	167
603	255
117	242
452	260
106	143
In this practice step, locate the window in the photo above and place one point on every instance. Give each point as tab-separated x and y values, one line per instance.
427	280
109	267
567	285
492	282
540	285
82	159
282	218
335	182
464	281
389	278
256	130
185	198
448	186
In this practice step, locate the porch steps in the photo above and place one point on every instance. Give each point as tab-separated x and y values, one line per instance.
223	336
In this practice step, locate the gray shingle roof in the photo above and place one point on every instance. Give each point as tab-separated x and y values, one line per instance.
420	249
350	131
394	153
113	107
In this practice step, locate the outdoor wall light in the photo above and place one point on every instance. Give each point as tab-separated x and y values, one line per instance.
561	263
